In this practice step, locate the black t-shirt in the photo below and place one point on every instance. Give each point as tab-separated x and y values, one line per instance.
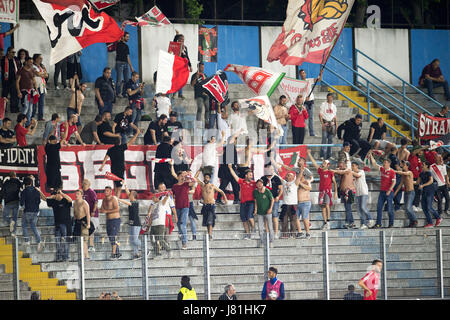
52	151
172	127
394	161
197	87
6	134
133	214
123	122
61	210
378	131
164	150
101	129
272	184
424	178
122	51
117	156
133	86
159	131
105	86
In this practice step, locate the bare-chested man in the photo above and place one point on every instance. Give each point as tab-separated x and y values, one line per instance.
403	153
82	216
303	181
408	182
209	207
347	192
110	206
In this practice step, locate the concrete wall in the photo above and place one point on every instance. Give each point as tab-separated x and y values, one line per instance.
427	45
389	47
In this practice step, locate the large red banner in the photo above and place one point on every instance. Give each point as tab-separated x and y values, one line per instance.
433	127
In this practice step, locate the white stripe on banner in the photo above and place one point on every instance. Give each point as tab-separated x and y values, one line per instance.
165	72
9	168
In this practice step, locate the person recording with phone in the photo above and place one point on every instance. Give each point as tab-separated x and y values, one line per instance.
135	91
298	114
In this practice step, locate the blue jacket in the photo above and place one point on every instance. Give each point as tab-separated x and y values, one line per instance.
272	281
30	198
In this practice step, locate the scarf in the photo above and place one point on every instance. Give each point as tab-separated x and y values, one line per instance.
138	103
32	95
7	67
322	196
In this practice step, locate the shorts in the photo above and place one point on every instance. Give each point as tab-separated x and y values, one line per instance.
96	222
246	210
326	200
117	184
303	210
112	229
383	143
70	112
289	209
275	209
209	215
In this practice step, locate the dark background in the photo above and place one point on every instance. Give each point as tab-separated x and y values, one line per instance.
427	14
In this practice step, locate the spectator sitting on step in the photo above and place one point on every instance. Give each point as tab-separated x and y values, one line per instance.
377	136
53	163
135	91
352	134
10	192
124	125
443	113
174	127
7	136
351	295
156	131
229	293
104	92
109	296
61	204
52	128
344	155
68	128
432	78
22	131
89	133
162	104
273	288
78	94
104	130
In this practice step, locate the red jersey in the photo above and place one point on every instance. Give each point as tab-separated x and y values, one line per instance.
387	177
21	135
415	165
372	281
181	193
297	118
247	190
430	156
326	179
71	129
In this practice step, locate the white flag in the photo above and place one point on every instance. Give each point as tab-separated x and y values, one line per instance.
262	108
293	87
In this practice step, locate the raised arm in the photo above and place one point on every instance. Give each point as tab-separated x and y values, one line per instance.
374	163
233	173
314	163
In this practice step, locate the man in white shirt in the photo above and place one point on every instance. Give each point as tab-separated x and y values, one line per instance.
309	101
236	121
223	124
362	196
210	157
162	104
327	116
439	173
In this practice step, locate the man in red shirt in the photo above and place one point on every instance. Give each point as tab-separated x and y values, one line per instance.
326	182
371	281
181	193
415	165
386	190
22	131
68	128
298	115
247	207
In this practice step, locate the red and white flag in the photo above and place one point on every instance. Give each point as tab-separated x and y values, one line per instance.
260	81
310	31
154	17
74	25
293	87
112	176
433	127
103	4
173	73
262	108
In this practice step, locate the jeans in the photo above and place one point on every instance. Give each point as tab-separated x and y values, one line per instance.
427	206
14	209
382	198
356	144
417	195
283	138
442	193
61	67
192	217
212	121
27	108
310	108
327	138
303	210
364	213
137	114
182	215
262	229
122	71
39	106
348	211
159	239
398	197
30	218
409	198
430	85
123	138
62	249
108	106
202	104
134	238
275	211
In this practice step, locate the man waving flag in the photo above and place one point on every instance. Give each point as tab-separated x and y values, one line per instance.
74	25
310	31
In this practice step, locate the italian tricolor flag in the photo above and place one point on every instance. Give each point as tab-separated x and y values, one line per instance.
173	73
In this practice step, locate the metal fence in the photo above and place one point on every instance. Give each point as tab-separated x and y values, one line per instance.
416	265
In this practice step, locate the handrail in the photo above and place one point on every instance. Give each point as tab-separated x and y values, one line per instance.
358	89
359	106
393	74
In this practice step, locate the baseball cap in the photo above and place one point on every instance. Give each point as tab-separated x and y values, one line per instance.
173	114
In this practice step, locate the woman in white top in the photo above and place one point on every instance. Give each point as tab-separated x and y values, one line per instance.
362	196
40	74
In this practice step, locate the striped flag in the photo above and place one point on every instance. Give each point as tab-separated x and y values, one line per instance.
173	73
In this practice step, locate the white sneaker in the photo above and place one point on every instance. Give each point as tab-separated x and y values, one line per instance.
371	223
271	245
363	227
91	249
11	226
277	235
40	246
415	209
325	226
